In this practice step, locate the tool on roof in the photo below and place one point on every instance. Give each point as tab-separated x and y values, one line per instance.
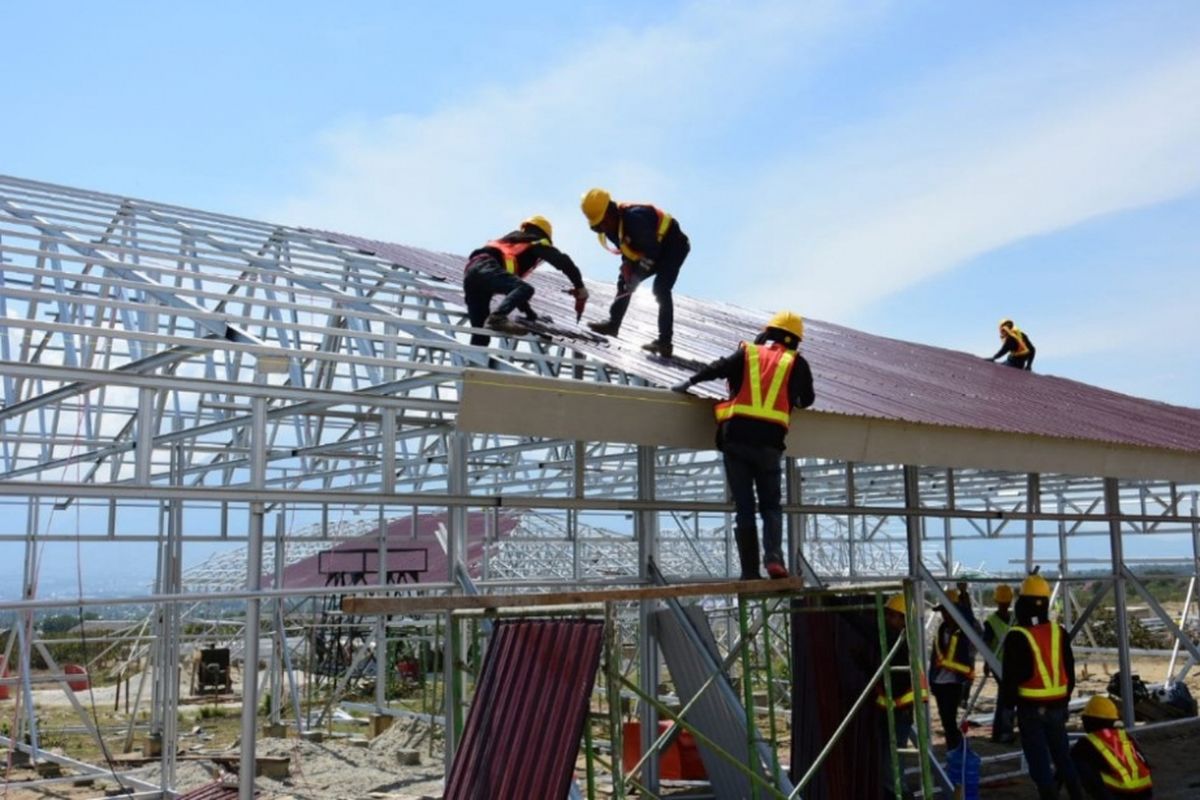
581	298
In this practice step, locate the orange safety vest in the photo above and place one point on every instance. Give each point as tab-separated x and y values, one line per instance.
510	251
626	249
1017	335
902	701
945	660
1049	679
1127	770
764	385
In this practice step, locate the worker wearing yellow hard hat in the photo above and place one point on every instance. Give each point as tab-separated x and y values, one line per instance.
766	379
650	244
1015	344
501	266
995	628
1038	677
903	698
1108	760
952	663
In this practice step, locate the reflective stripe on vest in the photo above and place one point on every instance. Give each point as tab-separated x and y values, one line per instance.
999	631
511	250
905	700
664	223
1048	682
1127	772
944	661
1016	335
762	396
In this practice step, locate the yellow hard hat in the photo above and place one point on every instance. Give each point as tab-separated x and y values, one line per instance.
1035	586
1100	707
896	603
1003	593
788	321
541	223
594	204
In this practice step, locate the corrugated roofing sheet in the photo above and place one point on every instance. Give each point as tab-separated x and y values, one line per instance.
527	717
855	373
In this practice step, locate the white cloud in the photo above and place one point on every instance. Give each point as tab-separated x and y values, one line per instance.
616	113
907	201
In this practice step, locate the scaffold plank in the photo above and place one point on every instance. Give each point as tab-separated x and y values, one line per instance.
401	605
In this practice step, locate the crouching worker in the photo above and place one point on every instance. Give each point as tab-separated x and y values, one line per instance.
1109	763
500	266
767	379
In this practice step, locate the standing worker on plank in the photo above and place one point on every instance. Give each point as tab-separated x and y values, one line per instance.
1038	678
767	379
952	664
995	628
1110	764
650	243
500	266
1017	344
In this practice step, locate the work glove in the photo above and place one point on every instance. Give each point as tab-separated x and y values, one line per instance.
682	387
579	293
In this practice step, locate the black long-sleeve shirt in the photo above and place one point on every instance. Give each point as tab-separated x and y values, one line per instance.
529	259
756	431
639	227
1011	344
1019	666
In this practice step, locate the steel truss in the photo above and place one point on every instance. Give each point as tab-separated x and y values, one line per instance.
184	378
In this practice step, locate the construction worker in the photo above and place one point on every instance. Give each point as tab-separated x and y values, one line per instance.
995	628
952	664
1017	345
500	266
651	244
1038	678
903	696
1109	763
767	379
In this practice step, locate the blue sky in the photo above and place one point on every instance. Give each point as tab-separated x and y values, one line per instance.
913	169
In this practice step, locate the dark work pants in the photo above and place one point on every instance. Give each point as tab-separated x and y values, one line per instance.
1044	742
750	470
949	696
484	279
904	726
666	271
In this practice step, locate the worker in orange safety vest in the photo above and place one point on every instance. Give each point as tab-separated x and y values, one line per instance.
1017	345
952	664
650	244
501	266
1038	678
1110	765
767	379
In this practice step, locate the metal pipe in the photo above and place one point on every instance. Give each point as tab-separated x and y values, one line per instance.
1112	507
254	553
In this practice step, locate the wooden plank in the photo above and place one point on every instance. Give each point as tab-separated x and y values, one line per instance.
401	605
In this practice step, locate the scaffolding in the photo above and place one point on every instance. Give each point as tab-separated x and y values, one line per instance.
185	380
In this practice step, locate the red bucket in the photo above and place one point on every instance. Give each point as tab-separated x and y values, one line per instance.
79	684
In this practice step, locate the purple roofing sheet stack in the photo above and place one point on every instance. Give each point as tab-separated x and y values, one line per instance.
855	373
527	717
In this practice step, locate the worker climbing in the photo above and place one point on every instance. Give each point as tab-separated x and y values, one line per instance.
1017	345
1038	677
500	266
903	697
952	663
651	244
1109	762
767	379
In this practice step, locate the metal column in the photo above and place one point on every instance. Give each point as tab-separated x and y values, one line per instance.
646	529
254	554
1112	509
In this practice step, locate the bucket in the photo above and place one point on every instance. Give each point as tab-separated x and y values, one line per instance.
962	767
79	684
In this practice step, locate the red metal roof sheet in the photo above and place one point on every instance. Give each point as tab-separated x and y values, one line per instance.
855	373
527	717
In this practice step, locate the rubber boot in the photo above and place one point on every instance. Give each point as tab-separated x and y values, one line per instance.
747	545
605	327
